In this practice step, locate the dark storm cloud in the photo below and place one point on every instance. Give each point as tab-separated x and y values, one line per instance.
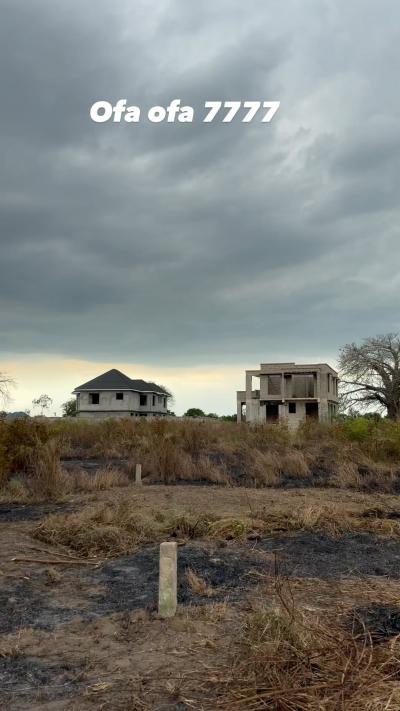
196	242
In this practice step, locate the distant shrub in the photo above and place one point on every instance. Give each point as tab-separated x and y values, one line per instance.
20	441
358	429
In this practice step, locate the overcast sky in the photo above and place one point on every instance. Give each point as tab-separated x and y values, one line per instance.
187	252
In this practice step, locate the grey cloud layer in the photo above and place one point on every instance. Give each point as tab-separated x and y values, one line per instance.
189	243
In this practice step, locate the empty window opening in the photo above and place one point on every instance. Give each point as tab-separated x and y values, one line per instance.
165	402
143	400
94	398
119	396
274	384
303	385
292	408
154	400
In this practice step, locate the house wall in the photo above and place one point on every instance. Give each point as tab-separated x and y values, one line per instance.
109	406
293	418
321	386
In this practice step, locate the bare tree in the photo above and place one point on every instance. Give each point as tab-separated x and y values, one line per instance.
5	384
370	374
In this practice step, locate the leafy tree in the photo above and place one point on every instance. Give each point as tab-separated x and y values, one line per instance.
194	412
43	401
370	374
69	408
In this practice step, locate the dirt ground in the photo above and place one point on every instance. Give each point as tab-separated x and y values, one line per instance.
86	635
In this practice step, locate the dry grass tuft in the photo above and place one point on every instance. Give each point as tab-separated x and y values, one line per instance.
119	528
263	468
290	660
187	525
103	479
14	491
346	475
108	531
53	576
167	463
293	464
205	469
198	585
47	482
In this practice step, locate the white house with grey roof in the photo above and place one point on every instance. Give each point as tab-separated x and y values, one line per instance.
114	394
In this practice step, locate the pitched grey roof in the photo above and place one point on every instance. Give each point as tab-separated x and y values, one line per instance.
115	380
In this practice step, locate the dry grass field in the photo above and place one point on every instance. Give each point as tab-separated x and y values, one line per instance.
288	567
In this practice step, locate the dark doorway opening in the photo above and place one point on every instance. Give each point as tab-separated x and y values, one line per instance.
272	411
312	410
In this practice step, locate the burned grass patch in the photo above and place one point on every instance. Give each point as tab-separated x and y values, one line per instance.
11	513
379	621
23	604
127	583
24	678
358	555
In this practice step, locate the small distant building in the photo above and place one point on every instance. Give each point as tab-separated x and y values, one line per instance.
114	394
289	392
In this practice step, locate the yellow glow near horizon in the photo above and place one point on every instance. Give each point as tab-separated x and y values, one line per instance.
212	388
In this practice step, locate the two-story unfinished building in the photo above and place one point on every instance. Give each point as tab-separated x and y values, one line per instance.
286	391
114	394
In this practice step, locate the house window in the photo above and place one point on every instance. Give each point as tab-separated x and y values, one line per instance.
119	396
94	398
154	400
143	400
165	402
292	408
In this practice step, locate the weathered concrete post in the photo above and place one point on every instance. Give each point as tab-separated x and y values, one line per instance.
138	474
167	590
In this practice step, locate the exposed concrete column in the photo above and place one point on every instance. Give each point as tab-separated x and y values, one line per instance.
249	384
318	385
239	410
323	409
283	386
138	474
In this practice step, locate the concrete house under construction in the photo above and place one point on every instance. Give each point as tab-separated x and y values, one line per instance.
286	391
114	394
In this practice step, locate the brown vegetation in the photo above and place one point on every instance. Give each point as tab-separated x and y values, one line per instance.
360	454
122	527
287	658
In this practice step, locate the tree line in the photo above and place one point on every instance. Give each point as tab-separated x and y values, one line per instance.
369	375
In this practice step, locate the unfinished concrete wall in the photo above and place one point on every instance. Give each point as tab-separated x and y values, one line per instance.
110	406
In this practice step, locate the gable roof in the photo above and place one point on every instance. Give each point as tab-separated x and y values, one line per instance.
115	380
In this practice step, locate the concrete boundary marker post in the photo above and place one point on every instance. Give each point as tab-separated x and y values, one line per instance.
167	586
138	474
